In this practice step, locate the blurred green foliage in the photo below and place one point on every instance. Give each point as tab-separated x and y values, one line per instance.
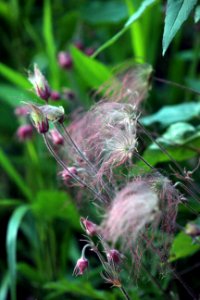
39	219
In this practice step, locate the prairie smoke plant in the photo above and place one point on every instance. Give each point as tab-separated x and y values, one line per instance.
25	132
40	83
135	206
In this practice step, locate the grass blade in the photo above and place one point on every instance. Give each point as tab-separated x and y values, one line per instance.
14	175
145	4
11	242
50	43
4	287
14	77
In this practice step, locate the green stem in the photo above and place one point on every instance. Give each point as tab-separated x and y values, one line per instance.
136	34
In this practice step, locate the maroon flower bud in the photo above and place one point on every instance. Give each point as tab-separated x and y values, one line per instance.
113	255
56	137
21	111
81	266
43	126
192	229
25	132
68	173
65	60
79	45
40	84
89	51
55	95
90	227
68	94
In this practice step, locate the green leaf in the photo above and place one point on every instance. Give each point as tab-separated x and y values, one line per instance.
15	96
4	287
197	14
14	77
51	204
92	71
182	247
110	12
176	14
144	5
173	113
79	288
9	203
11	242
14	175
180	141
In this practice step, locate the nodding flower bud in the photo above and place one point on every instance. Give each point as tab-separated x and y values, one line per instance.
40	121
21	111
40	84
25	132
79	45
90	227
68	94
53	113
81	266
55	95
56	137
192	229
68	173
65	60
89	51
113	255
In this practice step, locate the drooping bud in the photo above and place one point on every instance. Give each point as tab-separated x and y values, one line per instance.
68	94
79	45
89	51
65	60
113	255
53	113
25	132
90	227
56	137
21	111
40	84
81	266
192	229
55	95
68	173
40	121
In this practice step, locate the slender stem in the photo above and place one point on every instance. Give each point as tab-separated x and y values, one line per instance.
124	292
60	162
178	85
77	149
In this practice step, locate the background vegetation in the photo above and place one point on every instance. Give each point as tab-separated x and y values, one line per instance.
39	221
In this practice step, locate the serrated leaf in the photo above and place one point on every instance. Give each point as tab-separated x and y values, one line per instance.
176	14
182	247
11	244
173	113
91	70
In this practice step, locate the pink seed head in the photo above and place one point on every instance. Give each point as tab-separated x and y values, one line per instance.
90	227
40	83
81	266
25	132
56	137
113	255
65	60
79	45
